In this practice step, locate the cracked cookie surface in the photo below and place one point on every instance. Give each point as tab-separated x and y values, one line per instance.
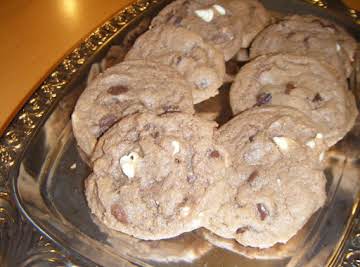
201	64
155	176
311	36
301	82
277	182
228	25
127	88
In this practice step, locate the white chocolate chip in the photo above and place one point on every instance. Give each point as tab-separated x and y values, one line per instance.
278	181
282	143
219	9
184	211
205	14
73	166
338	47
176	147
321	156
128	164
311	144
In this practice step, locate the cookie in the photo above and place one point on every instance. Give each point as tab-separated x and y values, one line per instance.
300	82
187	247
228	24
201	64
277	181
311	36
124	89
155	176
278	251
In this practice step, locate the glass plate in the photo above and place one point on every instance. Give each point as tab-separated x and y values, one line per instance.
41	160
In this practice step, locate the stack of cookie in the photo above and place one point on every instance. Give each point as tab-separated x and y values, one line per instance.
160	170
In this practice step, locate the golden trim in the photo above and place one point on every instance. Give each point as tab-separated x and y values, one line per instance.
339	256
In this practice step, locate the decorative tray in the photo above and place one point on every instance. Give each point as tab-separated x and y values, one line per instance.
44	218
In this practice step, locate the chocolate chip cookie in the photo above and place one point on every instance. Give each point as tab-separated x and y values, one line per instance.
311	36
277	182
278	251
124	89
227	24
301	82
201	64
155	176
187	247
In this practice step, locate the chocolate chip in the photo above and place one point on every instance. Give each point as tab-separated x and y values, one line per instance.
185	200
214	154
191	178
170	108
119	213
290	34
176	20
253	176
242	230
117	90
317	98
263	98
306	42
177	60
262	211
106	121
155	134
289	87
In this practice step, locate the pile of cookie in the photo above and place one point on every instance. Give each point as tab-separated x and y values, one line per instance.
160	170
